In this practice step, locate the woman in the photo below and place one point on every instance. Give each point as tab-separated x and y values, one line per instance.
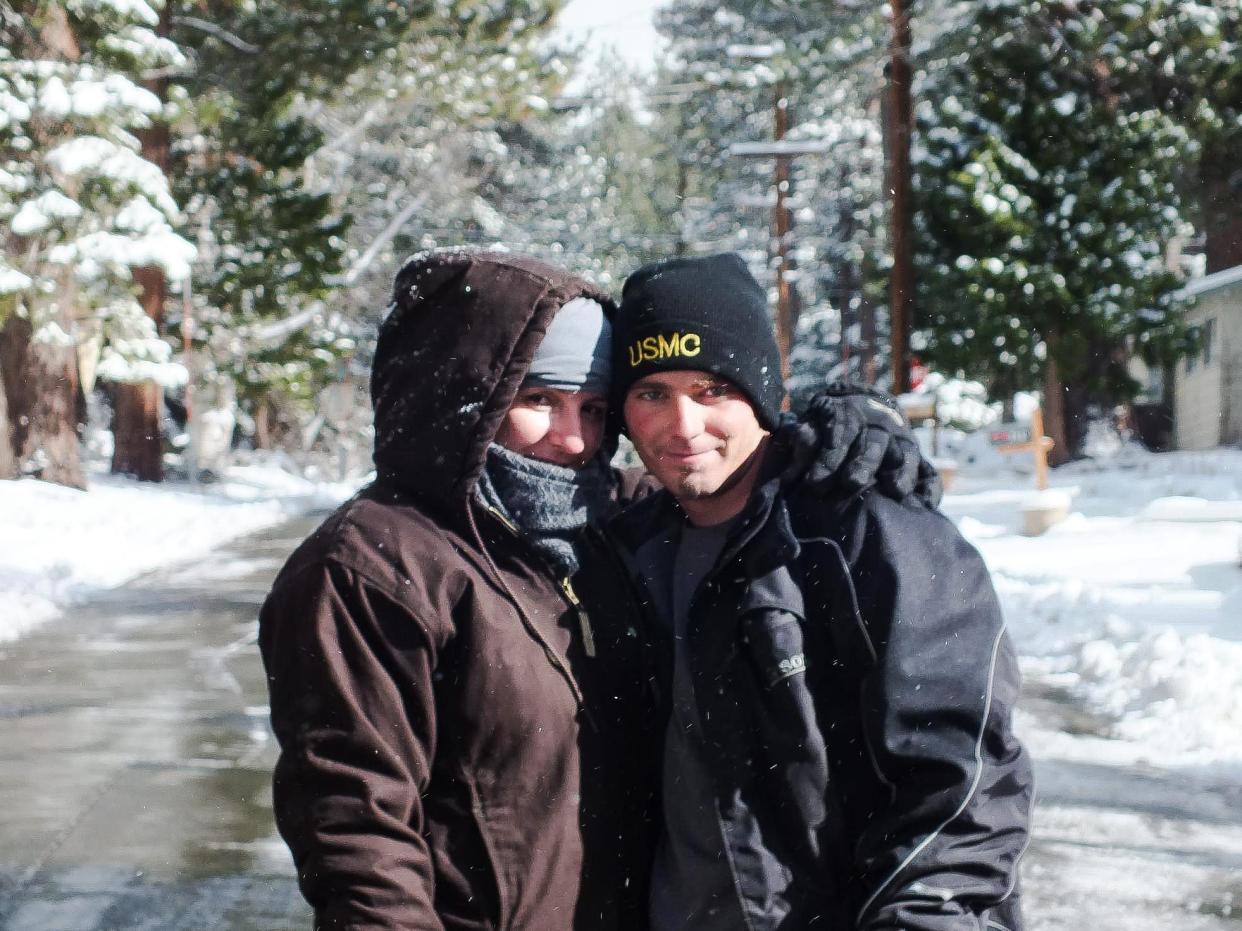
462	744
459	677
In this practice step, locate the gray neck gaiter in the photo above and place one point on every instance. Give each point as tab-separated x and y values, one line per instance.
548	503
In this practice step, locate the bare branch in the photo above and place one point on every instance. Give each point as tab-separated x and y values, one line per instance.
273	334
389	231
161	74
202	25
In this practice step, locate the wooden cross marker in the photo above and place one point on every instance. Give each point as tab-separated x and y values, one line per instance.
1016	438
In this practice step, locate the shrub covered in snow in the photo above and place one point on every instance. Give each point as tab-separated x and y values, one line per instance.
959	403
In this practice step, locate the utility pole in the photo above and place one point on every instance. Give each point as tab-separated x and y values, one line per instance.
783	151
781	225
900	124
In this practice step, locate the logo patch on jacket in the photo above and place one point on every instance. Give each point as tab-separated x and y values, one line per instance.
665	346
786	667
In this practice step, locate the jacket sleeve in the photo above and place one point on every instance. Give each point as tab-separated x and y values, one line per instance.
350	679
937	704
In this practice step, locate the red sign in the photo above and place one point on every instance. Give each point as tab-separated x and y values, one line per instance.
918	372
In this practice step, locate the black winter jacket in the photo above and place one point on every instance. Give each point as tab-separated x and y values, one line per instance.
855	686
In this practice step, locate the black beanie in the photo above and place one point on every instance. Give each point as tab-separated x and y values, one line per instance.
705	313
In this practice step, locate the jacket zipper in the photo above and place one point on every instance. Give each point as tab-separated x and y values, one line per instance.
645	626
512	528
567	589
584	622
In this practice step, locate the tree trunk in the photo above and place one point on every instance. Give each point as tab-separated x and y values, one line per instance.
1221	191
1054	410
138	444
8	461
867	335
263	425
57	35
1076	409
900	126
39	427
41	388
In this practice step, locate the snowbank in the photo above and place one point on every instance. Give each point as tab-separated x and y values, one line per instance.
1133	606
60	545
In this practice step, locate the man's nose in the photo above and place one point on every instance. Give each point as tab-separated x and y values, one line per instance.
687	418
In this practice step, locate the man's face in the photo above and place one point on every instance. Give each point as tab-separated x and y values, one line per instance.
695	431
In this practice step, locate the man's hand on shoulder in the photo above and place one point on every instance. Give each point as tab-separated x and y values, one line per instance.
853	436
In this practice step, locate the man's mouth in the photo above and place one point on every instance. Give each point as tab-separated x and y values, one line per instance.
687	458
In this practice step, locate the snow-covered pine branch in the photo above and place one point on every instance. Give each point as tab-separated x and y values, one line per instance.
83	207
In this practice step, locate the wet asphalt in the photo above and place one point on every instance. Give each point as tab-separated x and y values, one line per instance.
135	758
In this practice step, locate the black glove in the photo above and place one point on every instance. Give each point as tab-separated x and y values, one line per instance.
853	436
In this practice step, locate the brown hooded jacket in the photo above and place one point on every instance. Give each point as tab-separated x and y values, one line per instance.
462	747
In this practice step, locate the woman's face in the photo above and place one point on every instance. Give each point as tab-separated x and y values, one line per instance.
564	428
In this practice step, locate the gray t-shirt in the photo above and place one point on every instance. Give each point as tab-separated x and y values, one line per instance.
692	883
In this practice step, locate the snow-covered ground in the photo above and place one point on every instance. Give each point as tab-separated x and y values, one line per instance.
1131	608
58	545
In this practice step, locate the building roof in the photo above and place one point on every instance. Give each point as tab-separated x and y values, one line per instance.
1213	282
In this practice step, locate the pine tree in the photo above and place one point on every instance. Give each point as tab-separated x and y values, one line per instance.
82	213
272	250
1182	58
588	189
718	97
323	129
738	58
1046	200
272	237
418	144
816	358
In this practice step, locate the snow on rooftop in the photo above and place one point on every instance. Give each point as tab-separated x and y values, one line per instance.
1214	281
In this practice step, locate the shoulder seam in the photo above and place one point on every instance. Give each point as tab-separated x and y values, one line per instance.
367	579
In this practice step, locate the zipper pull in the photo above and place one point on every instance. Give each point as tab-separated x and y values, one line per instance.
508	524
584	622
588	635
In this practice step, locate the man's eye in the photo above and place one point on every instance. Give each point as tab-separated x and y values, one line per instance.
537	399
648	394
595	412
717	391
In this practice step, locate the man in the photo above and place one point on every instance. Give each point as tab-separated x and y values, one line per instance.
456	666
839	751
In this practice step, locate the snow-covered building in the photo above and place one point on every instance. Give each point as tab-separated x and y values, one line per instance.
1207	387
